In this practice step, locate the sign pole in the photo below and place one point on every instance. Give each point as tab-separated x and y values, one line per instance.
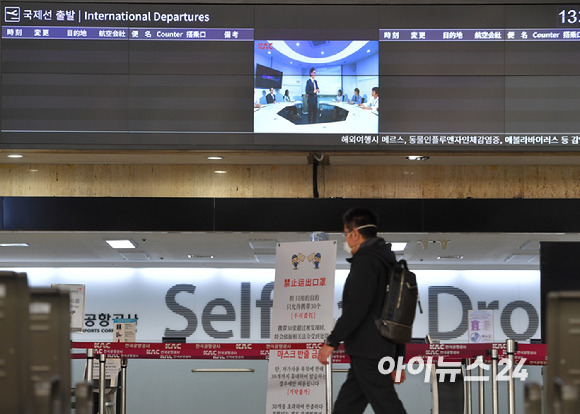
329	386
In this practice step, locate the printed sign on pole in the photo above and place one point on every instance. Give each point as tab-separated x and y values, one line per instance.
125	330
302	312
480	326
296	382
303	292
77	305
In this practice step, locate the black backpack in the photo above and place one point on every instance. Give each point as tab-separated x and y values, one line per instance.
399	304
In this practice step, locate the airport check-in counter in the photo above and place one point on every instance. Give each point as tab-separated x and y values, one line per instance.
35	363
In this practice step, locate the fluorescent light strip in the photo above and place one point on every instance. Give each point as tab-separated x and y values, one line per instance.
398	246
121	244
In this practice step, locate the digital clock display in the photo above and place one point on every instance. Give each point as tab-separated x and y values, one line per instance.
568	16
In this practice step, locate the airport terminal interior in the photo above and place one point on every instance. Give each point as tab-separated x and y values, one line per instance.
152	219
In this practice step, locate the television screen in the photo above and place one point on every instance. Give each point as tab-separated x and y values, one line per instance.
340	69
453	77
268	77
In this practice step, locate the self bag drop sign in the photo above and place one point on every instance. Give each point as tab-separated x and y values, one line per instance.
204	305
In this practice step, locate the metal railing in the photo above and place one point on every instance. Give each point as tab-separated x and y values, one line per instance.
533	394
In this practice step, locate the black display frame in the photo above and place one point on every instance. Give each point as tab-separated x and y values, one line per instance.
239	135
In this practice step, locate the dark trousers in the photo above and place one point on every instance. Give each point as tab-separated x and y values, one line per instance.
312	111
365	384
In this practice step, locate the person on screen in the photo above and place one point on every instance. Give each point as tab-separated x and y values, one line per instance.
257	103
373	103
312	92
293	110
339	98
356	98
271	97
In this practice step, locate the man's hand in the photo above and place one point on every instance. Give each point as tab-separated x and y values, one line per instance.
402	376
324	353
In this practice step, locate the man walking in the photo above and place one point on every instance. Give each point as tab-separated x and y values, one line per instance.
362	298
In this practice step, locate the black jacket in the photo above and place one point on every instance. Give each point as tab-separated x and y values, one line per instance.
362	298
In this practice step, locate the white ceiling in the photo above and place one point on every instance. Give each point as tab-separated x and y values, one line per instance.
246	250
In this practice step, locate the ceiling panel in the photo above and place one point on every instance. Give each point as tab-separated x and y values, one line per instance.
232	249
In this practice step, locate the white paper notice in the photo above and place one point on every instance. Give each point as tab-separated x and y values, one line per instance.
302	313
125	330
303	292
296	383
77	305
480	326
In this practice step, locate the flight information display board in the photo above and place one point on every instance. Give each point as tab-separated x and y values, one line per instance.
365	77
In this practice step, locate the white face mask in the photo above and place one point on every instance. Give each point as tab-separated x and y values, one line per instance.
346	247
